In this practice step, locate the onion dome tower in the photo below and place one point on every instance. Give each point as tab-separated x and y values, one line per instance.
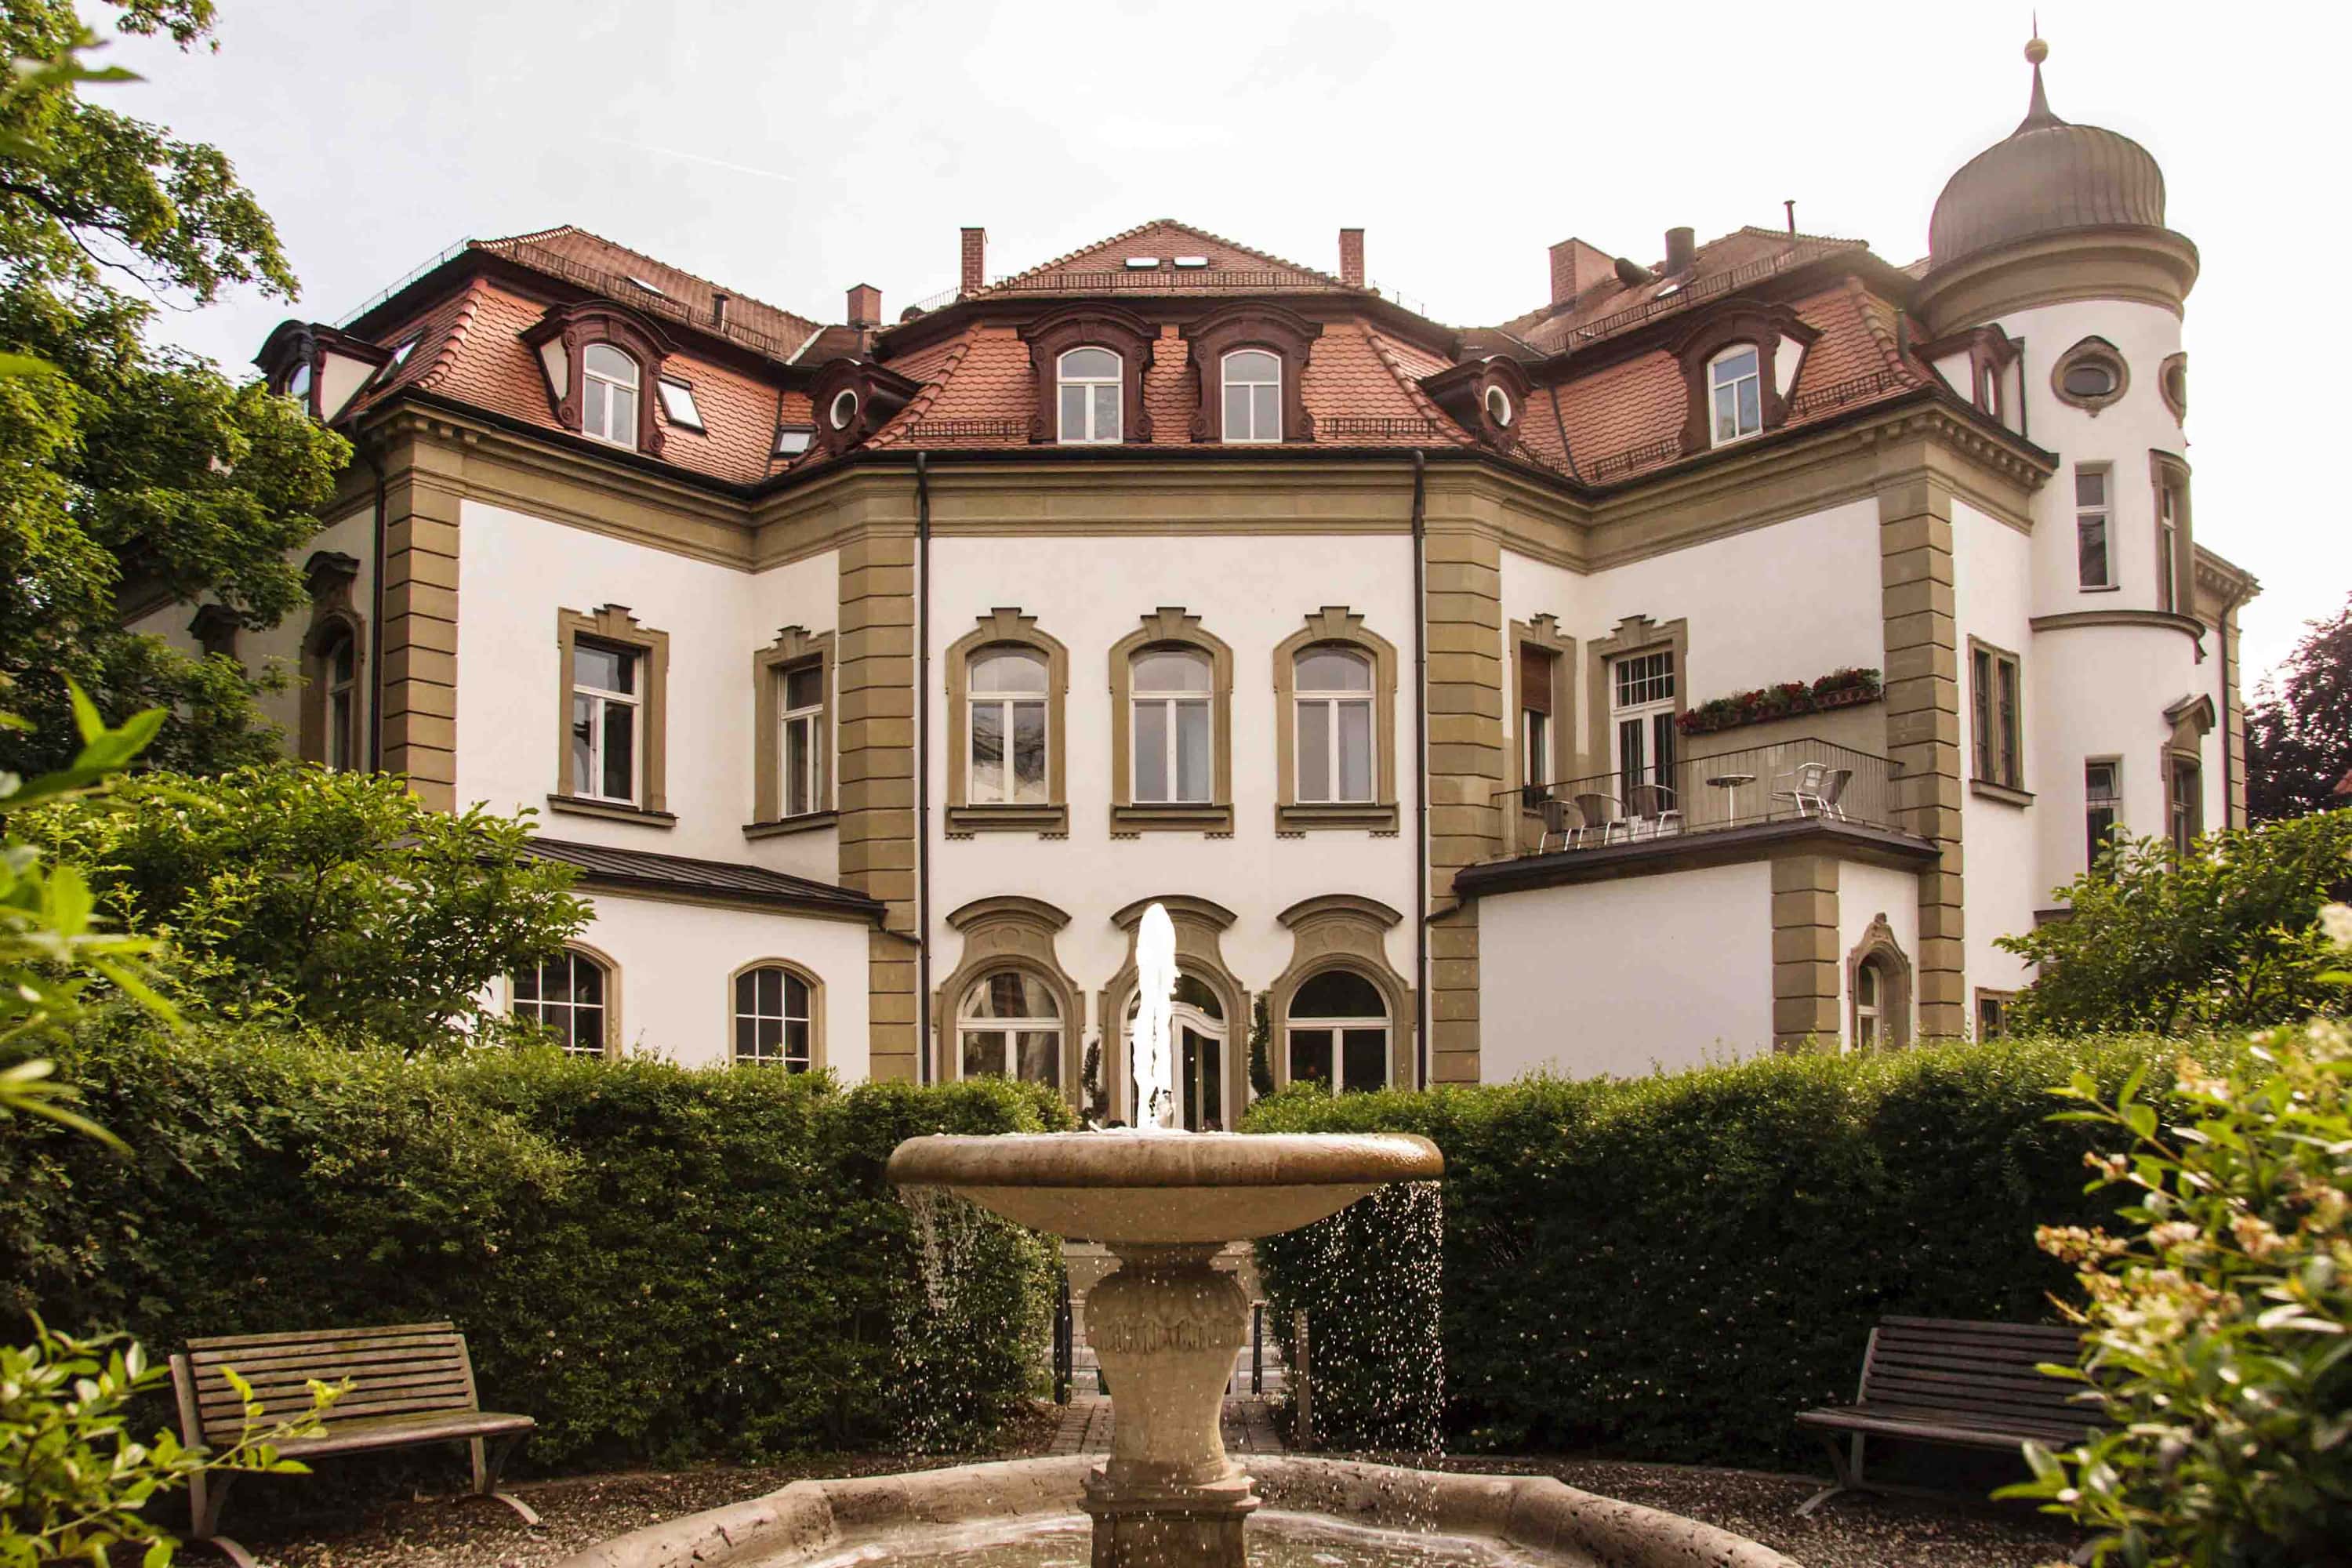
2056	211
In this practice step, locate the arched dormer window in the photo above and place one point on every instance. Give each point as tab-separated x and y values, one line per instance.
1740	364
598	359
1485	396
1088	381
1250	364
853	399
609	390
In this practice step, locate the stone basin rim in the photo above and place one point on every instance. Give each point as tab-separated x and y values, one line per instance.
1125	1158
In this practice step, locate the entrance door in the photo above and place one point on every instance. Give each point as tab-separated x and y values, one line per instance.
1202	1071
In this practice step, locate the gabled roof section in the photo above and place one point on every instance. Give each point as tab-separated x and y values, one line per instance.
601	866
1102	268
1734	262
633	278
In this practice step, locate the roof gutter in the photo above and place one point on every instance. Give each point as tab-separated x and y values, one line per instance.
375	614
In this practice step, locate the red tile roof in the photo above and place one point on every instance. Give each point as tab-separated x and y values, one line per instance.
1102	268
1741	258
616	272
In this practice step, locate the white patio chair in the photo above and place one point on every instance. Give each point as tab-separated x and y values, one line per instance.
1806	787
1595	825
1833	790
1653	811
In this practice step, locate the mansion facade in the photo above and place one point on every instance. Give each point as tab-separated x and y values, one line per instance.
1719	657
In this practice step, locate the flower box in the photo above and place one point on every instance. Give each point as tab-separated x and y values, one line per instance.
1790	699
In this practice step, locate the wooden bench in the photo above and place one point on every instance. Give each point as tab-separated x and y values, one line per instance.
1947	1380
411	1384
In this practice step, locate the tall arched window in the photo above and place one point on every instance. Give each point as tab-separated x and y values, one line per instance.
338	677
608	406
1333	711
1869	993
1009	1024
775	1018
568	994
1253	395
1089	381
1338	1033
1197	1035
1007	698
1173	746
1735	393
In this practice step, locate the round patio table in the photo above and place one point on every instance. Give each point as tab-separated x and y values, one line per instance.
1730	784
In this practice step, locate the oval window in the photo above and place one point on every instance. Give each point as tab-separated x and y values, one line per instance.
1498	406
844	410
2090	378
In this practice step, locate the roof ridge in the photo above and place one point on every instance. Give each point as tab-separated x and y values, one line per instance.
1762	233
1858	296
907	418
1193	229
1412	386
714	285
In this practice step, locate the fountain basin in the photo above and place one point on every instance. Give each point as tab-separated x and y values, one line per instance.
1426	1514
1128	1188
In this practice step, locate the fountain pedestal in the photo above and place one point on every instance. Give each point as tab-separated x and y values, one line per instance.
1166	1327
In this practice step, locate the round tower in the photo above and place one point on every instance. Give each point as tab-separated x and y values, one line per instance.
2056	237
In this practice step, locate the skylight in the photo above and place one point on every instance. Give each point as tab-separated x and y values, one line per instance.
1142	263
677	402
400	355
649	288
791	442
1192	261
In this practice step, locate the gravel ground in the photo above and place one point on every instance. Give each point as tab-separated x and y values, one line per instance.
1854	1531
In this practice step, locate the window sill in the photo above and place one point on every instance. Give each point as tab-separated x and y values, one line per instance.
785	826
1321	816
1172	816
1986	789
573	805
1008	819
2099	588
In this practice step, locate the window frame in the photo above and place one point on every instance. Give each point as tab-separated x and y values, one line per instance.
813	989
630	695
1996	718
332	579
591	376
2184	815
1339	1029
614	626
2094	838
968	1024
2001	1002
1116	381
1879	952
2089	349
1333	701
1170	628
663	385
2175	534
2104	513
1007	626
1716	385
1541	637
609	985
795	652
1007	931
1652	719
1269	328
1227	385
1335	625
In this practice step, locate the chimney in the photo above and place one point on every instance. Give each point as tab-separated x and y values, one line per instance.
1351	258
1682	245
974	276
1575	266
717	309
866	306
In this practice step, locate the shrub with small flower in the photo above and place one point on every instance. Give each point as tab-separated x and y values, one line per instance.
2218	1340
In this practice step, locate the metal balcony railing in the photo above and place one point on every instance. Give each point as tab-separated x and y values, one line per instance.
1787	781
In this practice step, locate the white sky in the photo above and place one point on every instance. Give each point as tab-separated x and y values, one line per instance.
790	150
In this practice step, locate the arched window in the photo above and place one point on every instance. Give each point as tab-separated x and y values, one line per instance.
1174	758
1869	991
1010	1026
337	674
1089	381
1735	393
1333	711
1008	727
775	1018
608	408
1197	1036
1338	1033
1253	395
567	994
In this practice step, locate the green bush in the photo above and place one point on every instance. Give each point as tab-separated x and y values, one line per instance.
656	1262
1671	1267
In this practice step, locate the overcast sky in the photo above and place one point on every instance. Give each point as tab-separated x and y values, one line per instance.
790	150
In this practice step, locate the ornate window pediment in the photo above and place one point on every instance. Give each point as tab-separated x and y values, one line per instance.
1486	397
562	340
319	367
854	398
1105	327
1780	340
1239	327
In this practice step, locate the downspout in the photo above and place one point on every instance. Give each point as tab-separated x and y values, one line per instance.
923	767
1421	773
375	621
2229	684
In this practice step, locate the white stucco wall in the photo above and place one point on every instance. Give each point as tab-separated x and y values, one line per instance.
1626	977
677	961
1993	587
1252	591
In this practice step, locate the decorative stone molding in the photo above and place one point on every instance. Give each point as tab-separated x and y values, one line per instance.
2192	719
1007	625
1337	626
1878	944
2091	349
1342	930
1008	932
614	624
1634	635
1486	397
1092	325
1922	723
2172	385
795	648
560	339
1804	951
1250	325
1200	924
2169	472
1170	627
1740	322
215	628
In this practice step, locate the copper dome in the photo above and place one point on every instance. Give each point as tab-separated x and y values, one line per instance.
2048	177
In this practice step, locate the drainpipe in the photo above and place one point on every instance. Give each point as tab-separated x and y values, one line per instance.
1421	773
2221	635
922	767
376	620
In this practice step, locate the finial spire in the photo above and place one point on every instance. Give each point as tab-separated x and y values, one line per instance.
2037	113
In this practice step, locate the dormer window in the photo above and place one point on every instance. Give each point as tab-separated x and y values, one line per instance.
1089	381
853	399
297	384
842	411
1498	406
608	404
1253	396
793	440
1735	394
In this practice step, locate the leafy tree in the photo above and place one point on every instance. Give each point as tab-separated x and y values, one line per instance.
2299	728
334	898
2220	938
125	466
2218	1337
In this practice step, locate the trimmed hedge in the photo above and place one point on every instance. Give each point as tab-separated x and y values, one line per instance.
659	1264
1670	1267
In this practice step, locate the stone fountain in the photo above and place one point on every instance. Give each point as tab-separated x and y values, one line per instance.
1166	1325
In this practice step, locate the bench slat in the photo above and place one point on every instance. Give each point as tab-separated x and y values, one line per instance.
2026	1385
445	1346
233	1424
1926	1360
1930	1430
451	1392
211	1385
402	1431
1981	1328
320	1336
